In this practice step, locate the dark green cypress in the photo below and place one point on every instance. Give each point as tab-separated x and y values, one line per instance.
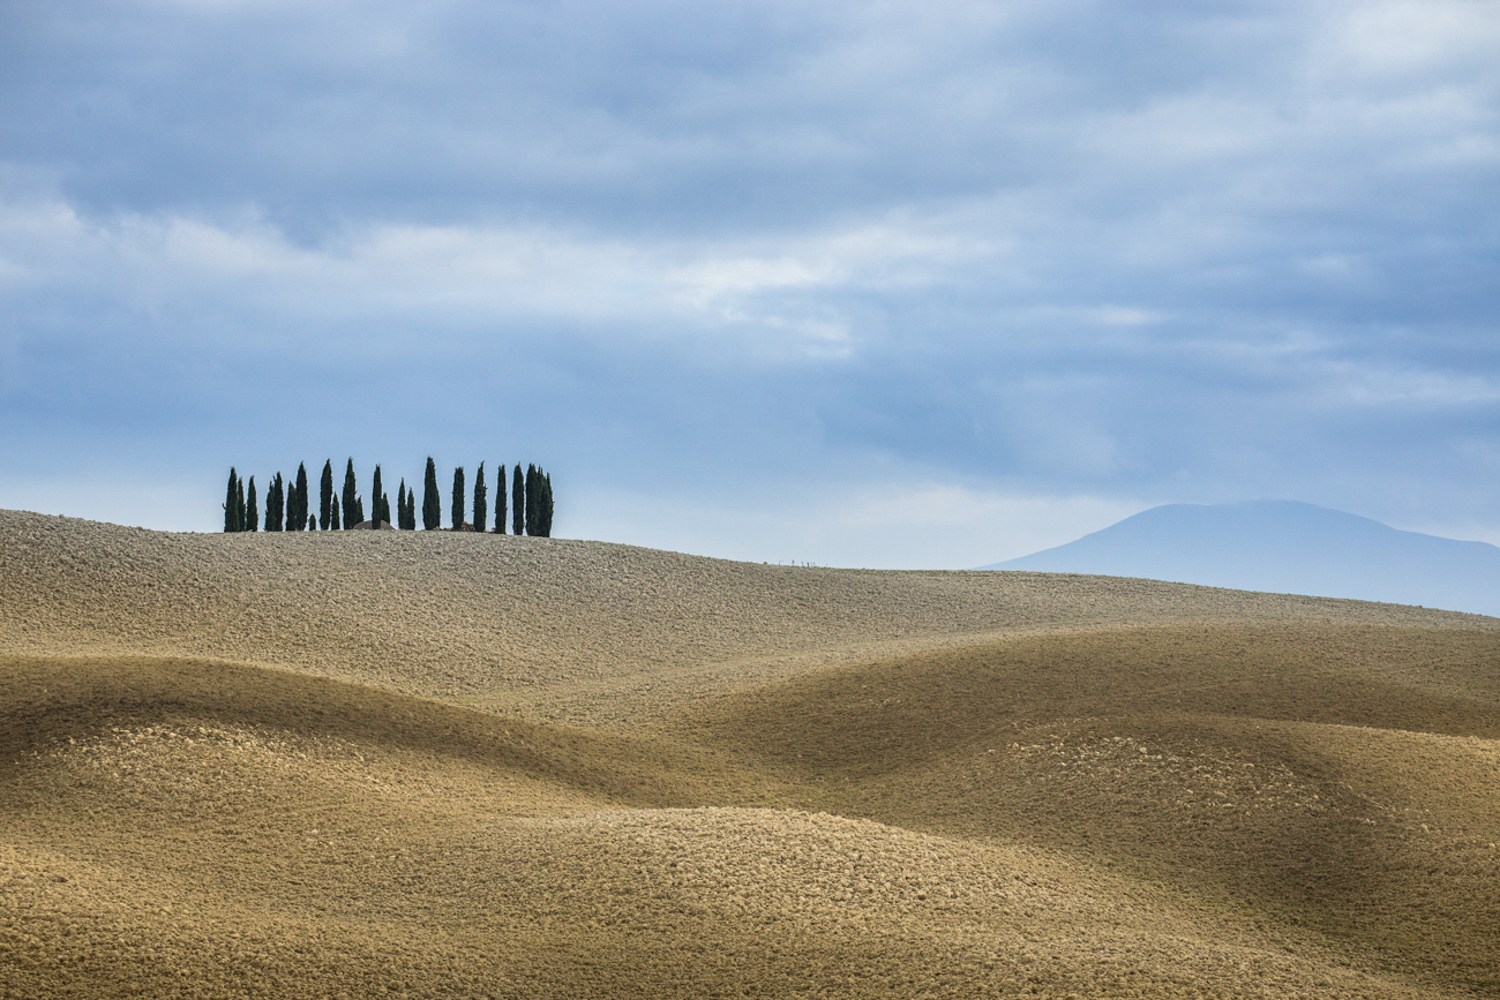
545	507
359	510
458	498
239	504
533	498
384	514
401	505
231	521
275	504
375	494
312	523
301	493
432	504
252	510
333	518
500	501
325	496
518	503
481	500
351	490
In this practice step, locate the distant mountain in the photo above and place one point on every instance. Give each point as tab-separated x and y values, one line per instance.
1284	547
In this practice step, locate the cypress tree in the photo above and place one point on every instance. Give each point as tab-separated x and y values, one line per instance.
375	494
544	508
481	500
300	509
384	513
432	504
518	503
500	500
275	504
252	510
231	522
351	490
401	505
359	510
325	496
312	522
458	498
333	518
533	499
239	504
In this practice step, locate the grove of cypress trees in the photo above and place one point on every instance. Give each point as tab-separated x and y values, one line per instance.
252	509
325	496
376	493
275	504
458	498
432	504
299	509
499	501
481	501
231	512
351	491
518	503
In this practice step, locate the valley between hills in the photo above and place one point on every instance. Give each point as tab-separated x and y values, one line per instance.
429	764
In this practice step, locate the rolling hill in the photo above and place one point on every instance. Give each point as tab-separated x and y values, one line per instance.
431	765
1282	546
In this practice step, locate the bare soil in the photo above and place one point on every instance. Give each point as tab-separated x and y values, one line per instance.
445	765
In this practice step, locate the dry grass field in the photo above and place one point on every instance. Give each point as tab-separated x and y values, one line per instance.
383	764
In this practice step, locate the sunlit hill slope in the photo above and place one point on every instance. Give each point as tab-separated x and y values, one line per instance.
432	764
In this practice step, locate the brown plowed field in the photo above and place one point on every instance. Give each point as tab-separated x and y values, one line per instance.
434	765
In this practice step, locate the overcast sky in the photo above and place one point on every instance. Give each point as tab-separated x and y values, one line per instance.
862	284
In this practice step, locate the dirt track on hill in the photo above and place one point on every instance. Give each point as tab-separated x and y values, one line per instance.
223	773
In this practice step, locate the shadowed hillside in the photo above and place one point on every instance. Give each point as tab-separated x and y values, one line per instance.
1020	786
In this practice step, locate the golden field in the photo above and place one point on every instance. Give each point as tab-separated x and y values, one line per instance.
382	764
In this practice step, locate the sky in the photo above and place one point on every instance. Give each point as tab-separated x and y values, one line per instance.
898	285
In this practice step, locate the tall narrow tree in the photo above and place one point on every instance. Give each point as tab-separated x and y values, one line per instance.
252	509
359	510
275	504
375	494
384	513
458	498
499	500
432	503
301	492
481	500
333	518
351	491
533	497
325	496
231	517
518	503
239	505
544	507
401	505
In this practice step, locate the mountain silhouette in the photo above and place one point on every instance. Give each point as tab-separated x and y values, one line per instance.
1283	546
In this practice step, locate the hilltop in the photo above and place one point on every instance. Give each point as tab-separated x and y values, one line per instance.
1285	547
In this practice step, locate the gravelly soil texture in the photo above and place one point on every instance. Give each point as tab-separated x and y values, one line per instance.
436	765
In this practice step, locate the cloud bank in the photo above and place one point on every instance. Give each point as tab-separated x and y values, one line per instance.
761	265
